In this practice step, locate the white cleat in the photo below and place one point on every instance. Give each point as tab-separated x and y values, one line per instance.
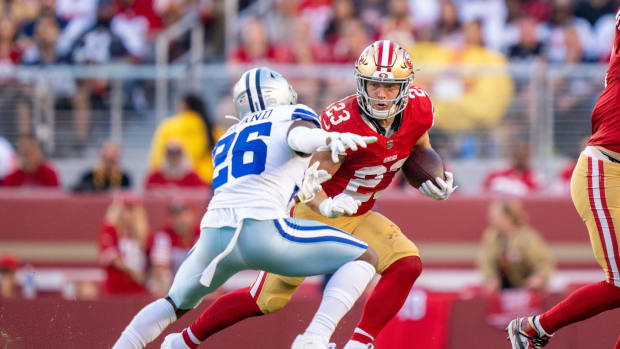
357	345
174	341
311	342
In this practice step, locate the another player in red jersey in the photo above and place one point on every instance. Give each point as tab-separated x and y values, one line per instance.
388	107
595	190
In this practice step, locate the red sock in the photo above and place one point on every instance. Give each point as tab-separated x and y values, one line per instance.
617	344
226	311
387	298
580	305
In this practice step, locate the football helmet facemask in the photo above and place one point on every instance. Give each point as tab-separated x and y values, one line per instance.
383	61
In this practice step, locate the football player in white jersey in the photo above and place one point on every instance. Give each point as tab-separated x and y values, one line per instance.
259	167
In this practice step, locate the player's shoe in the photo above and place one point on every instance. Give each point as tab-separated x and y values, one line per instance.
524	335
304	341
174	341
358	345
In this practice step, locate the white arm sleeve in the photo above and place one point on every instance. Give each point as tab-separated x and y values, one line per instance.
306	140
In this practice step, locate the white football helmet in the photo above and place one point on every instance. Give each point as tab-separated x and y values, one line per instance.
260	88
384	61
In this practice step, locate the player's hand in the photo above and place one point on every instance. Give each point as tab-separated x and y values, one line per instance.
340	142
339	205
442	190
311	183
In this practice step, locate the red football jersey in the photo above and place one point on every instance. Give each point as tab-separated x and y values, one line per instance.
365	173
606	113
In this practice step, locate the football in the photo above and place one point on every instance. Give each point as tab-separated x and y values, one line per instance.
423	164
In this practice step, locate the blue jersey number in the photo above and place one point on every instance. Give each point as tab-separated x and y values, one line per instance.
249	153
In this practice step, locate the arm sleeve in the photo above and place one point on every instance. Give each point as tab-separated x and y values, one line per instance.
306	140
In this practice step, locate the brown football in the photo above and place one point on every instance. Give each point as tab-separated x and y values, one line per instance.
423	164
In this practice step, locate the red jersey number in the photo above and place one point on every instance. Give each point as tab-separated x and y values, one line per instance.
336	114
369	178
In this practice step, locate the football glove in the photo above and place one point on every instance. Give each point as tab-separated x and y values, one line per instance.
339	205
311	183
442	190
340	142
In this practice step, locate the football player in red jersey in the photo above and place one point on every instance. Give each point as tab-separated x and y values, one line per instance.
388	107
595	190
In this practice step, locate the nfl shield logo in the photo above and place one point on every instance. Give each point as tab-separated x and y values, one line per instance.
390	144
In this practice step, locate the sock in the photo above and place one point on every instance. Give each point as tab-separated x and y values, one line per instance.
226	311
617	344
341	292
584	303
387	298
149	323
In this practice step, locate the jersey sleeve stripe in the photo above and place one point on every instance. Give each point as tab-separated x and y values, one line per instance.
248	92
258	91
307	112
306	118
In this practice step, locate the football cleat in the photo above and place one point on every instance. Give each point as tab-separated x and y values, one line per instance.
174	341
358	345
523	334
304	341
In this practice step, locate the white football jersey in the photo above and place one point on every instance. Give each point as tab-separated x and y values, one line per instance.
256	173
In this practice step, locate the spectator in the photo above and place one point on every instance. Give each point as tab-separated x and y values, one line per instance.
107	173
79	16
171	244
255	46
512	254
449	28
123	247
8	161
529	47
10	53
8	281
518	179
47	10
176	170
193	127
398	25
33	170
467	101
592	10
342	11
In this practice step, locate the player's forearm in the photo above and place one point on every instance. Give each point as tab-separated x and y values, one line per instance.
307	140
316	202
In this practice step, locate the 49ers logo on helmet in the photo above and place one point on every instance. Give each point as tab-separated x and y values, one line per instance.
407	60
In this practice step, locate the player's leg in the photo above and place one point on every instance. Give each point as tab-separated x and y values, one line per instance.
296	247
399	266
186	291
595	190
268	294
303	247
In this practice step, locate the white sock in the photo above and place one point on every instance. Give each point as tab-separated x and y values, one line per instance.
341	292
149	323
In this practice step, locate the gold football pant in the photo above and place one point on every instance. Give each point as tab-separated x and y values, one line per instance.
595	190
272	292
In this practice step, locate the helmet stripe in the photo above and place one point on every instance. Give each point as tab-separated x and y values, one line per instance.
391	51
248	92
258	90
379	58
387	54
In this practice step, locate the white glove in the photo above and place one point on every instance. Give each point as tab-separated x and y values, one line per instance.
340	142
339	205
443	191
311	183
